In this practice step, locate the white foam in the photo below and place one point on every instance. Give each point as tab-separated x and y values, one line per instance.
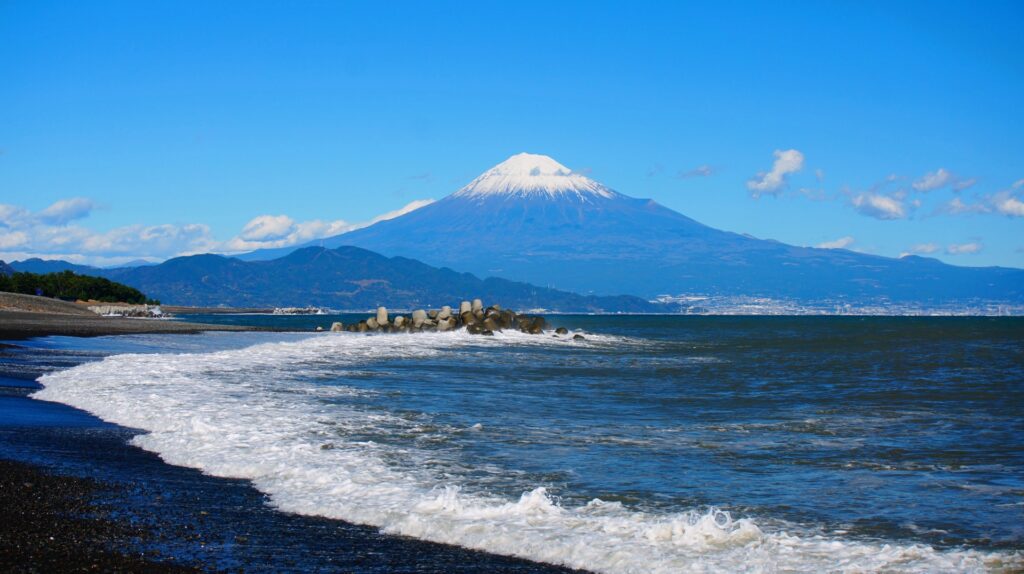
256	413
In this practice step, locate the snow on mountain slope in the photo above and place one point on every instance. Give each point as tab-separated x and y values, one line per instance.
527	174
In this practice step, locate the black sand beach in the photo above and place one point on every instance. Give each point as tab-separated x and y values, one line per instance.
26	316
23	325
76	497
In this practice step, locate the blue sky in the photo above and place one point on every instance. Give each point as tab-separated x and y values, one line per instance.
152	129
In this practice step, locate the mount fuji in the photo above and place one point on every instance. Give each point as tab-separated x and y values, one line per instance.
532	219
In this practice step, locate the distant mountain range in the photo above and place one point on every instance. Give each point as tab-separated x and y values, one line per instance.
535	222
344	278
532	219
36	265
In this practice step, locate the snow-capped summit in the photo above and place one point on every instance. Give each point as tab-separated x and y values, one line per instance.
528	174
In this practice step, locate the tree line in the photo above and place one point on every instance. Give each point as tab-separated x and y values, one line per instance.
72	287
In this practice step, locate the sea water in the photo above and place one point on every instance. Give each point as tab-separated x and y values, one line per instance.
656	444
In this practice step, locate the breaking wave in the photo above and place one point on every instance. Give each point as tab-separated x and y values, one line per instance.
270	413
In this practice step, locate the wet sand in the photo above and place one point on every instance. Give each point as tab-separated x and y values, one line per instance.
53	523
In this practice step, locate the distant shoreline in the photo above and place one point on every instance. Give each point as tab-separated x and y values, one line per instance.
28	316
17	325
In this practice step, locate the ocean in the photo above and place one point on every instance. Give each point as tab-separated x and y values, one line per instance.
656	444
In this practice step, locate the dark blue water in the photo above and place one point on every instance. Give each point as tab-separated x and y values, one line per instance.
891	430
905	427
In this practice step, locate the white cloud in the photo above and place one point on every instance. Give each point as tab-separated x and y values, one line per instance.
956	206
164	240
24	234
86	245
1008	204
267	227
933	180
273	231
841	243
269	231
66	211
772	182
879	206
964	248
13	216
12	239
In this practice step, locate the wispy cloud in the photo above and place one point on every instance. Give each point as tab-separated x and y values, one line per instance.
957	206
814	194
13	216
699	171
941	178
66	210
772	182
933	180
925	248
964	248
1007	203
58	213
879	206
922	249
841	243
407	208
962	184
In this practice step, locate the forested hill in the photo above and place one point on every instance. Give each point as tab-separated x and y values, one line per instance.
68	285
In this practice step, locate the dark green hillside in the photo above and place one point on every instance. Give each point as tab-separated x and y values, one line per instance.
68	285
346	278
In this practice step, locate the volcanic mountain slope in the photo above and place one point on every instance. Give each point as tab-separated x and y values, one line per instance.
532	219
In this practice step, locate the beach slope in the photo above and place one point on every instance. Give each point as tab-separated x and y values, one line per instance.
25	316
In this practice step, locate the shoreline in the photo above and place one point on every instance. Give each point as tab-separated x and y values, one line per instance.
20	325
28	316
107	502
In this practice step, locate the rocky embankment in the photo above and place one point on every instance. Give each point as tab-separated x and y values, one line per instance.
125	310
471	316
